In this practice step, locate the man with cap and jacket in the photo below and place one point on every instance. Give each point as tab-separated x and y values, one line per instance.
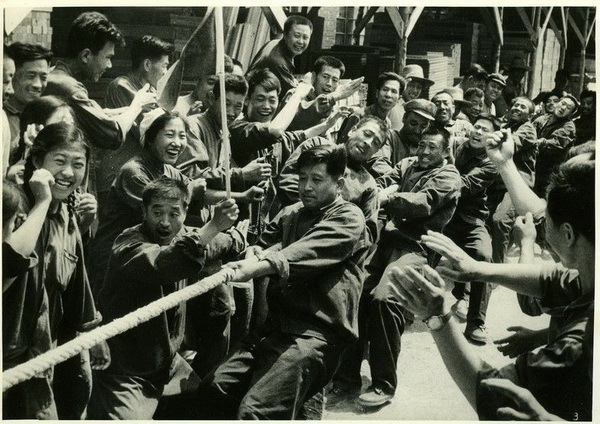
400	144
502	210
419	194
415	84
467	226
493	90
459	129
556	134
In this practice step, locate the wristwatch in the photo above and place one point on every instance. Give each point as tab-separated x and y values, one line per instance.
437	322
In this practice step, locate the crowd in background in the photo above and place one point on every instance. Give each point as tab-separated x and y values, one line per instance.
343	226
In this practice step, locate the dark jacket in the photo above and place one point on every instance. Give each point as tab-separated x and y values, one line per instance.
319	257
555	138
359	185
139	272
476	173
425	200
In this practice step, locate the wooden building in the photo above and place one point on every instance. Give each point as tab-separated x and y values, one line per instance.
444	41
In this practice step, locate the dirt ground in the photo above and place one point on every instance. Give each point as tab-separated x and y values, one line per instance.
425	389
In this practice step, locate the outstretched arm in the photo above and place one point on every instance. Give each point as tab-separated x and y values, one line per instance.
500	149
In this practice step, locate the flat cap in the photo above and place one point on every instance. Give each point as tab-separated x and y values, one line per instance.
423	107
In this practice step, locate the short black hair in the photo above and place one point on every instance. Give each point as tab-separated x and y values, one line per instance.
234	83
334	62
264	77
383	125
296	20
527	100
571	196
25	52
333	156
489	117
477	71
11	200
161	122
434	130
390	76
149	47
92	30
474	92
166	188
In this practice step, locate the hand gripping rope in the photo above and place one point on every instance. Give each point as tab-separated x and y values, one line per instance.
29	369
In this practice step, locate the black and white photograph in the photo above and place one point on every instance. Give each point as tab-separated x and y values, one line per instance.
313	212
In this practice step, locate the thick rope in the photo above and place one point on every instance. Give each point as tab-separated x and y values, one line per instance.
47	360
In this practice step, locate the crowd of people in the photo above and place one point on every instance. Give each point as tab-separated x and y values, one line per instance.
343	226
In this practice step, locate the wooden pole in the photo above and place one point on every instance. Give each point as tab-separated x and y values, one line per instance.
583	49
221	72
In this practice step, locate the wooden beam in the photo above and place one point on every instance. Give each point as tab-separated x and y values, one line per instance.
576	29
579	12
557	32
548	16
275	17
583	48
587	39
489	23
498	20
526	22
564	14
397	20
414	16
360	25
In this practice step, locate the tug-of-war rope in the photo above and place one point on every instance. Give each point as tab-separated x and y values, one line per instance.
29	369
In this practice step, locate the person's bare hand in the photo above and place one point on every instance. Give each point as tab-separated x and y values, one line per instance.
304	86
346	90
87	207
520	341
100	356
257	170
500	147
41	183
524	229
254	194
422	294
527	407
31	133
460	266
226	212
144	97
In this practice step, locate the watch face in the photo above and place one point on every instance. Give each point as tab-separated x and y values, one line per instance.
435	322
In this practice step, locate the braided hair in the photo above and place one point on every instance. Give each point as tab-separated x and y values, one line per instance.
52	137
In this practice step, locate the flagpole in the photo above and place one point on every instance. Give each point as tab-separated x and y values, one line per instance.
221	72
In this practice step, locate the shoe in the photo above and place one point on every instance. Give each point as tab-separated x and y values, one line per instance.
374	396
338	395
477	334
461	308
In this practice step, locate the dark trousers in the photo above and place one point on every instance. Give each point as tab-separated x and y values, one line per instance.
208	325
381	323
475	240
32	399
502	222
269	376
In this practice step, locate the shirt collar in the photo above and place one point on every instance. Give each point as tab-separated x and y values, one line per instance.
11	107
